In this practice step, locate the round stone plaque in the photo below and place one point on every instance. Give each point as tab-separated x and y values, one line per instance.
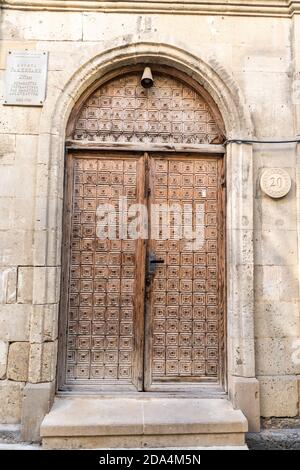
275	182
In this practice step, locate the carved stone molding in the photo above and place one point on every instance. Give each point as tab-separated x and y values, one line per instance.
285	8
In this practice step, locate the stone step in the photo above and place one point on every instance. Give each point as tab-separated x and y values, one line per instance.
139	422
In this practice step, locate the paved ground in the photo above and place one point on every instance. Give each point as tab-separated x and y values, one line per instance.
279	439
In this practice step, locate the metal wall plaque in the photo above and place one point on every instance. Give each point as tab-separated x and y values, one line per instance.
275	182
25	78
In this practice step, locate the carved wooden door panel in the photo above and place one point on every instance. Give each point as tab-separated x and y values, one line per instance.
125	328
104	273
184	321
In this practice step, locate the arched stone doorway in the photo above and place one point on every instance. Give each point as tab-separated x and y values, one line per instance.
122	326
240	382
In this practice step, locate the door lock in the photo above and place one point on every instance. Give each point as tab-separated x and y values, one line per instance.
152	263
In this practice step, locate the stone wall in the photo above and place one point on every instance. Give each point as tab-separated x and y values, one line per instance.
259	54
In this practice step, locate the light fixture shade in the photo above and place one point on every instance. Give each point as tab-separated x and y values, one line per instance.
147	79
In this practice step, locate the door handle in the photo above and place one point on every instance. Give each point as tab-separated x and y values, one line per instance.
152	262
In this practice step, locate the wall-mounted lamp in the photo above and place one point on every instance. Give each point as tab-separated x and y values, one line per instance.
147	79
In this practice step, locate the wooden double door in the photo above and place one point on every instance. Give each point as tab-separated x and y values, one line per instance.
142	297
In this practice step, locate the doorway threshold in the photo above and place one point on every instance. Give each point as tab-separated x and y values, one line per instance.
141	421
206	391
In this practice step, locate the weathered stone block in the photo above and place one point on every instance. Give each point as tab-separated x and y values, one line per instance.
289	283
46	282
25	284
8	180
34	25
276	356
11	394
299	394
240	196
3	358
17	364
241	358
40	247
49	361
167	420
44	323
60	51
36	404
279	396
95	29
22	210
275	319
16	248
266	283
53	252
2	75
48	212
272	214
277	247
230	48
238	324
274	439
42	362
241	289
244	393
8	285
18	181
241	252
13	46
14	322
260	89
7	147
7	206
258	60
19	119
10	433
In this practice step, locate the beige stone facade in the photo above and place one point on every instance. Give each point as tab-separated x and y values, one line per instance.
246	54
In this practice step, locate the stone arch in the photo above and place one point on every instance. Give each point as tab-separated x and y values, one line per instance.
237	122
117	109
